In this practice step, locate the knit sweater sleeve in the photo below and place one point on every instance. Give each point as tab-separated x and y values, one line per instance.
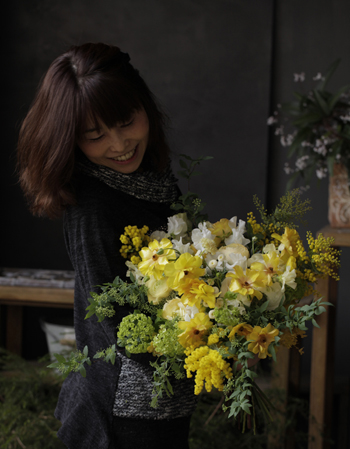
92	231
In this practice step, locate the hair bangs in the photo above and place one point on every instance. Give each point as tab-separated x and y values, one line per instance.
106	102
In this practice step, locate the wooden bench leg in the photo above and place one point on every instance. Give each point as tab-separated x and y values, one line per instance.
14	324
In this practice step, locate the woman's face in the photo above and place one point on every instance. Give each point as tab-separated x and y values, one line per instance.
120	148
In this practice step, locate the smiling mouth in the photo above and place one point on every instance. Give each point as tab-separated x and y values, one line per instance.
126	157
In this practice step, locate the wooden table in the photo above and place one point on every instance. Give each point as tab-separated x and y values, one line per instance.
36	293
322	357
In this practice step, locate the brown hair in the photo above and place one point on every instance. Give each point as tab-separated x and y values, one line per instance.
90	81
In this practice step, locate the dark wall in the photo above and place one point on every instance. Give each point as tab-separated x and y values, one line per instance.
207	62
210	63
309	36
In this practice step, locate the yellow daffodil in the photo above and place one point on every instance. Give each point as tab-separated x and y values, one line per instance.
247	283
194	330
156	257
262	338
289	242
270	265
194	291
185	266
241	329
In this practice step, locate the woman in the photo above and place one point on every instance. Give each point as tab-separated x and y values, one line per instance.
93	146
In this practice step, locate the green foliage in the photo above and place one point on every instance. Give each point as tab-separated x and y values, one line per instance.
135	332
166	341
165	367
289	210
121	293
28	397
188	166
107	355
190	202
73	363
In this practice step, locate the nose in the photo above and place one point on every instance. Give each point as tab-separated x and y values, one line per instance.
119	143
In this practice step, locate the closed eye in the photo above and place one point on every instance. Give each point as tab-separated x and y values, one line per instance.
97	138
124	125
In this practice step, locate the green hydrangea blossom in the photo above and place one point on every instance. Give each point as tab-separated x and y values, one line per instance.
228	317
166	341
135	333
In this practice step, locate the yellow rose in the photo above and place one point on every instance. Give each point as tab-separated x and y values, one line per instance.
157	290
172	308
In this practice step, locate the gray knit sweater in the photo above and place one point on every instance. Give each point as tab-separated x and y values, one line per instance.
86	405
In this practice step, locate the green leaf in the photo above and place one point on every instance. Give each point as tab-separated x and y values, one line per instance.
334	99
321	102
315	323
60	358
322	85
86	351
245	407
183	164
273	352
82	371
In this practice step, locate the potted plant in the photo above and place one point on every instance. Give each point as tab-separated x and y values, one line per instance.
315	128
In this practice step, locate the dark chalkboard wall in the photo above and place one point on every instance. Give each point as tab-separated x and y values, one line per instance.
208	62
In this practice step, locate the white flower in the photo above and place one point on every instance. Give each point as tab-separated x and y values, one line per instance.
288	278
318	77
321	150
301	162
345	118
299	77
287	169
237	304
279	131
135	271
159	235
274	294
237	232
177	225
202	232
212	264
182	247
268	248
321	172
271	120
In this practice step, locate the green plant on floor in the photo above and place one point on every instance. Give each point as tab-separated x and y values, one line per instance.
28	396
29	392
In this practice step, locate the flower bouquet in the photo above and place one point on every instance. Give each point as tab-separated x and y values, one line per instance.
209	298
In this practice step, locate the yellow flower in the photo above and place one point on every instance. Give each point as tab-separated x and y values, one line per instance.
221	228
156	257
158	289
248	283
213	339
289	241
231	250
262	338
186	266
194	291
171	308
194	330
271	265
241	329
209	366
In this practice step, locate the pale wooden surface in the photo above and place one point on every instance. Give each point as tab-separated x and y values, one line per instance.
35	292
36	296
